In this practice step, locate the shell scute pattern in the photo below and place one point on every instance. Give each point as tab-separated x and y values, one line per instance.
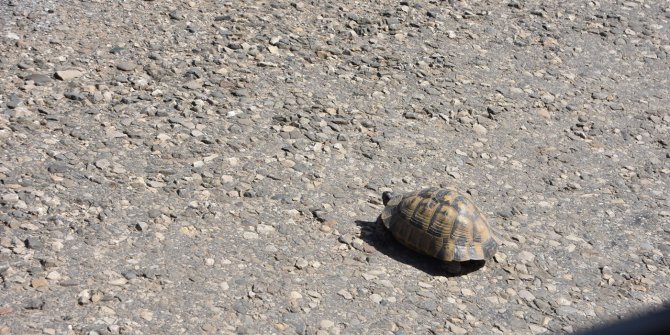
442	223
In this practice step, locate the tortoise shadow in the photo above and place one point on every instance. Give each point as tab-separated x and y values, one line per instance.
376	235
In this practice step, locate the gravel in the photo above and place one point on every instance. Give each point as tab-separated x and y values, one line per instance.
188	167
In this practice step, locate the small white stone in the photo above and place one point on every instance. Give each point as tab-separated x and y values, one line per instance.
301	263
102	164
233	161
12	36
10	198
457	330
250	235
84	297
163	137
526	295
264	229
293	295
118	282
104	310
54	275
146	315
57	245
29	226
425	285
467	292
68	74
325	324
563	301
493	300
526	257
537	329
233	113
479	129
376	298
345	294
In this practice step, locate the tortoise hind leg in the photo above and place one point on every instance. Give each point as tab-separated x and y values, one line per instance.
453	268
462	268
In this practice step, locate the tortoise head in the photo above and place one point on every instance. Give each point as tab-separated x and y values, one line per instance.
386	196
391	201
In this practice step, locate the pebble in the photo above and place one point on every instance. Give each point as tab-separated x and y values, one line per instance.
68	74
33	243
326	324
36	303
10	198
457	330
563	301
296	322
467	292
376	298
142	226
249	235
54	275
57	168
104	310
525	257
301	263
146	315
542	305
38	79
39	282
240	92
295	295
524	294
96	296
263	229
544	113
599	95
176	15
126	66
479	129
118	282
567	310
537	329
345	294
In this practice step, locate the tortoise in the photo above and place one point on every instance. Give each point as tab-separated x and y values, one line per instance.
439	222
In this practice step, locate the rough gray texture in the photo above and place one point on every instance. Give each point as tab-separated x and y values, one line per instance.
171	167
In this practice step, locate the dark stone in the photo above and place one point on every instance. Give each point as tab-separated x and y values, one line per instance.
33	243
36	303
57	168
38	79
241	307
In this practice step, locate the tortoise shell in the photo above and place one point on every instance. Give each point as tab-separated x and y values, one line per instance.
439	222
